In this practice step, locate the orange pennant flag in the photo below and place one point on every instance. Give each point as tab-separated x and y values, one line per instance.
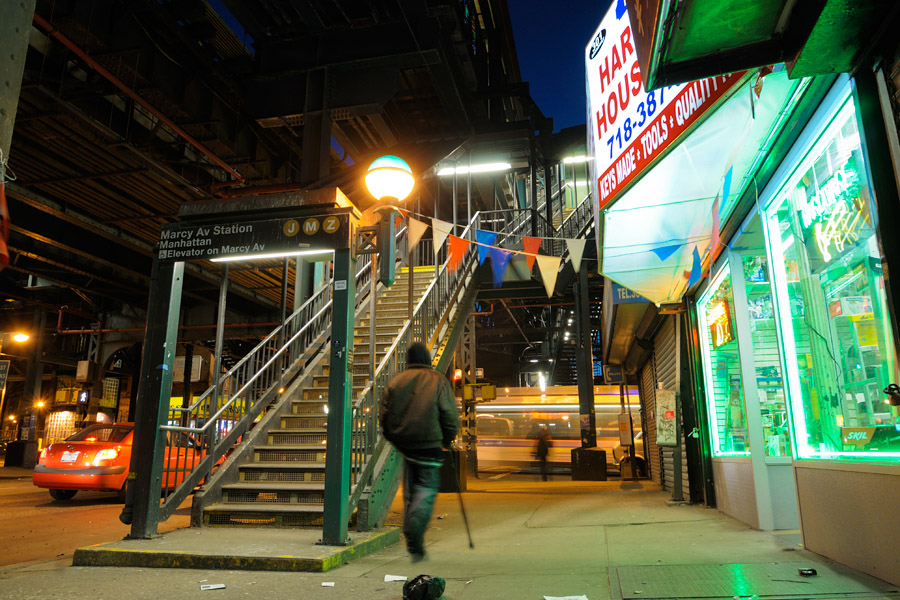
531	246
457	249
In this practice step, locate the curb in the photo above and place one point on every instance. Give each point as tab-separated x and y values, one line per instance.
109	555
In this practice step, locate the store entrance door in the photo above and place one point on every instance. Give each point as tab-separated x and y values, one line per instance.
763	381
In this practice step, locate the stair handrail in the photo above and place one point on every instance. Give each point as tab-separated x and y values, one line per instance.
226	410
430	314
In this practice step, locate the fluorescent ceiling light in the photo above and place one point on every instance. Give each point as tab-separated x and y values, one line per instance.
483	168
575	159
271	255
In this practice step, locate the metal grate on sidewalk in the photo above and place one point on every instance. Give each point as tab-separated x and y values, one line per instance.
744	580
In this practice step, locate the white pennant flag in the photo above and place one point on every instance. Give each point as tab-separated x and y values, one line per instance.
549	268
417	229
576	250
441	230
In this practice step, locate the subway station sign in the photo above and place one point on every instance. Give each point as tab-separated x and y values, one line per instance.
629	128
180	242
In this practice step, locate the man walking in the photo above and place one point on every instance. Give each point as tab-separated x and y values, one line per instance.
419	417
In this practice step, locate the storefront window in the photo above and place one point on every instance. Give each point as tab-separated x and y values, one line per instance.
766	356
722	368
831	302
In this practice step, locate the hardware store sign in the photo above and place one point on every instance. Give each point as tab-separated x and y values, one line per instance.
228	240
629	127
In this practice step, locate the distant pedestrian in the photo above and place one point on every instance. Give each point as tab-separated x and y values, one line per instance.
542	451
419	417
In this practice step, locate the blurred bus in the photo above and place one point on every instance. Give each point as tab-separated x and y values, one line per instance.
507	427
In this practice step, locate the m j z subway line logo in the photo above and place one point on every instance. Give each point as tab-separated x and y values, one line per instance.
597	43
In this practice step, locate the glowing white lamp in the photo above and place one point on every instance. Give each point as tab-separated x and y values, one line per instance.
389	177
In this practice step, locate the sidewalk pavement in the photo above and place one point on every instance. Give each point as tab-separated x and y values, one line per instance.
603	540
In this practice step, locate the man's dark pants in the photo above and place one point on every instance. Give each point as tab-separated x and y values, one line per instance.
420	486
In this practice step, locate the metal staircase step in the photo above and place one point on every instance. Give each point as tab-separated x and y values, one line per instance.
283	437
303	421
264	515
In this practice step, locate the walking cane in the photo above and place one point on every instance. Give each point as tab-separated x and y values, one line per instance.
462	506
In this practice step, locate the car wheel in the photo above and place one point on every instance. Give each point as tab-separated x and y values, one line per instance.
62	494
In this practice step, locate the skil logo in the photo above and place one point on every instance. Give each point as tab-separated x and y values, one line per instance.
857	436
597	43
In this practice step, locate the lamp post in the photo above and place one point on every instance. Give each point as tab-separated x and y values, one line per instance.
390	180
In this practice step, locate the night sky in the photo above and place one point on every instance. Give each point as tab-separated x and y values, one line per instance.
550	40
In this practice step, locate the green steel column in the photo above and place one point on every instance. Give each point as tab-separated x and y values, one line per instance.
153	403
584	362
337	460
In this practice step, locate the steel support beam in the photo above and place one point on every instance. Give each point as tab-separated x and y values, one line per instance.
467	363
340	386
154	390
315	164
584	362
15	27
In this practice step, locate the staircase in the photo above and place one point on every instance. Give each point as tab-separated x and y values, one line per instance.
283	482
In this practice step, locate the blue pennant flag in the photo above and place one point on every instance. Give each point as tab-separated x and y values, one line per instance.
664	252
499	262
695	269
726	187
484	239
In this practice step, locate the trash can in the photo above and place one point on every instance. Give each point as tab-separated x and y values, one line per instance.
21	454
588	464
453	472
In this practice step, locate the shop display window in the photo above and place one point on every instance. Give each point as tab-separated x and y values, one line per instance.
722	369
766	355
830	300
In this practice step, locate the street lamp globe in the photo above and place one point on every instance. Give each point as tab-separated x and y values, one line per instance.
20	337
389	177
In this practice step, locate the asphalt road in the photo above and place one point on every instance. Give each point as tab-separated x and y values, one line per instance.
34	527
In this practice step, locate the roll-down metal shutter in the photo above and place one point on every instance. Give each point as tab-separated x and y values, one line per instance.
664	356
648	415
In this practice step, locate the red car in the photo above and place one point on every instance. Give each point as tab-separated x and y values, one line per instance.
98	458
95	458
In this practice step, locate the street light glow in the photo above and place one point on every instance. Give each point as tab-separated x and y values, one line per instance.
389	177
483	168
21	337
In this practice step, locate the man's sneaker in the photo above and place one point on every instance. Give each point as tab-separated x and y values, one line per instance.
417	556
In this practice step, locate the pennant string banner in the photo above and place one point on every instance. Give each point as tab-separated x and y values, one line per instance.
499	263
416	230
576	249
457	250
531	245
485	239
549	269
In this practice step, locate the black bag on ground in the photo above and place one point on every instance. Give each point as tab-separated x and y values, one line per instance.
423	587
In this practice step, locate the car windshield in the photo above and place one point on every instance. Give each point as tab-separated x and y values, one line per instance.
101	433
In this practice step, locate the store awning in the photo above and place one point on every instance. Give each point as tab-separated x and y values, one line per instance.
658	234
689	40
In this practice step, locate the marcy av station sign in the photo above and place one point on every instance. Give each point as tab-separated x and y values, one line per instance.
180	242
628	127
